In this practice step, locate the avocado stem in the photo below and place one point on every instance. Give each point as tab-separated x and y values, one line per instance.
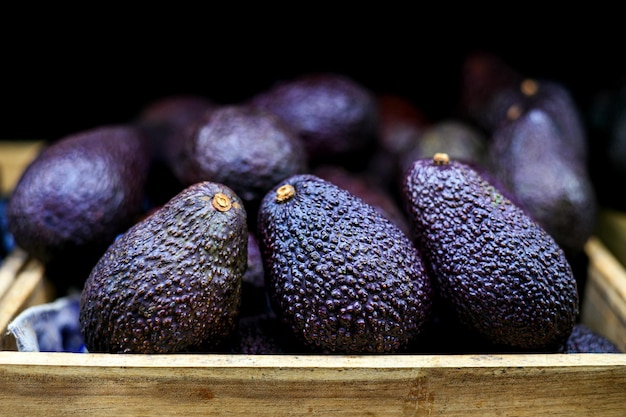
221	202
441	158
285	192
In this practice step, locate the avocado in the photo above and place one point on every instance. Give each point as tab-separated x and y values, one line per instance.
246	148
172	282
263	334
493	93
488	88
364	186
536	162
165	122
333	114
77	195
340	275
496	270
459	139
401	124
584	340
167	118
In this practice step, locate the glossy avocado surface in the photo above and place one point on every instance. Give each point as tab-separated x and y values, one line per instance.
81	189
534	160
340	275
332	113
245	148
76	196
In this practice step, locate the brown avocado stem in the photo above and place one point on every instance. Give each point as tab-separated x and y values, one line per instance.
221	202
285	192
441	158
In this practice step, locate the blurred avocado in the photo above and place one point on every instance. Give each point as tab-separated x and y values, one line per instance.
534	161
488	88
401	124
494	269
459	139
246	148
76	196
333	114
172	282
166	121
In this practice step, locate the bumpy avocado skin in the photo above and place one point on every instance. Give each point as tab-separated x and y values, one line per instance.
497	270
340	275
172	282
584	340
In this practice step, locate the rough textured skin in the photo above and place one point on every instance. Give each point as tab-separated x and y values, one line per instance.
342	276
171	283
245	148
585	340
367	189
533	160
500	273
82	190
332	113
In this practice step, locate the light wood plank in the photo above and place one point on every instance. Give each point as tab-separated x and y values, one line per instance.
386	385
9	269
14	157
604	306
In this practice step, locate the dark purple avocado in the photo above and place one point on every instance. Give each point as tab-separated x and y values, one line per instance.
80	190
76	196
340	275
498	271
172	282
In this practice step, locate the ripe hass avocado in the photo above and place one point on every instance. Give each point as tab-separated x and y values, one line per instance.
76	196
499	272
172	282
340	275
333	115
542	168
245	148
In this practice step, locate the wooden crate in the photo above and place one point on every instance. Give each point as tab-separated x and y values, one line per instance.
37	383
14	156
34	383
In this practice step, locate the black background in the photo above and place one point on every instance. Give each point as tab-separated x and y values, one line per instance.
60	76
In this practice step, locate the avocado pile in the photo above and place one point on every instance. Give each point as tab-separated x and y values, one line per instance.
320	217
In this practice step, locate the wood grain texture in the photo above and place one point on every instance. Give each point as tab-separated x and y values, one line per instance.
604	306
468	385
14	157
